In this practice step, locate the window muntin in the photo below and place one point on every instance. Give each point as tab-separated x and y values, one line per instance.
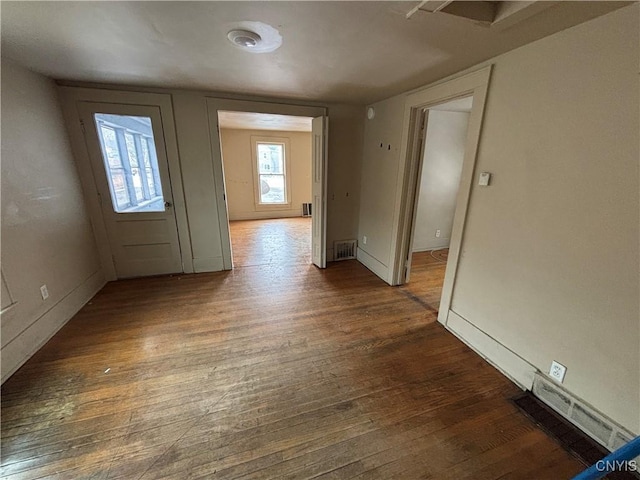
272	182
130	162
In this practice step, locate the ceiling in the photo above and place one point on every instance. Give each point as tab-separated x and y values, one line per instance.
264	121
332	51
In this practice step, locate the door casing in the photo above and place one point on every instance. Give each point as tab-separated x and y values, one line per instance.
214	105
146	232
475	84
71	97
320	127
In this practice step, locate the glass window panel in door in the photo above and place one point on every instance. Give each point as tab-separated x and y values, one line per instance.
131	171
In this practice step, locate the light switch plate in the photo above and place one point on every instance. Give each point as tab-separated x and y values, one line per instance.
485	178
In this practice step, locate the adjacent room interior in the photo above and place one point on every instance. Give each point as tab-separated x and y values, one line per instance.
437	188
491	246
267	172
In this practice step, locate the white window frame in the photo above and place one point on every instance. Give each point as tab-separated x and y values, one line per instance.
285	142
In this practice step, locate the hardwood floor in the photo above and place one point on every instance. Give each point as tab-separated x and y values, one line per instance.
426	277
274	371
274	241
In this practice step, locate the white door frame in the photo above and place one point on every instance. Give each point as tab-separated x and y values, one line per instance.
214	105
70	97
473	84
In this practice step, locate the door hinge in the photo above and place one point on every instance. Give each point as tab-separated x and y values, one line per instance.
99	199
82	126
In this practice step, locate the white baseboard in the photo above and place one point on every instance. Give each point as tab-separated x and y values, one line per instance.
509	363
373	264
209	264
22	347
265	215
436	246
597	425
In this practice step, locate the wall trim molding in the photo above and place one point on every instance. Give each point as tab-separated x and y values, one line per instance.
19	349
209	264
510	364
372	264
268	214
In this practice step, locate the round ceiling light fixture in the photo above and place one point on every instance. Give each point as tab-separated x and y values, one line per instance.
244	38
254	37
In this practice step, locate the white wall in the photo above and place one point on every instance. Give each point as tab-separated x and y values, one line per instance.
380	159
239	173
46	233
441	170
346	133
550	252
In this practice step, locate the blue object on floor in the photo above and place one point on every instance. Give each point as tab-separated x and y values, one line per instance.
620	460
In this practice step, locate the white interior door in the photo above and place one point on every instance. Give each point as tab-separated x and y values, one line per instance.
129	161
319	192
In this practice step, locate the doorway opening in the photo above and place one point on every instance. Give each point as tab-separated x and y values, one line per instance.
267	167
444	139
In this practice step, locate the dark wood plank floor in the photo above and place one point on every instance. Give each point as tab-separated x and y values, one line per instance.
426	278
267	372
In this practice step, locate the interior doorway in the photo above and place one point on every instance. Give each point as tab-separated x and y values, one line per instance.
267	165
319	168
443	151
473	84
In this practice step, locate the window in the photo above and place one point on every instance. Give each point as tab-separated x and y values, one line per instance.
130	161
271	168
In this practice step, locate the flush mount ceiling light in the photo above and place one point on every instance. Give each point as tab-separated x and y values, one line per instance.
254	37
244	38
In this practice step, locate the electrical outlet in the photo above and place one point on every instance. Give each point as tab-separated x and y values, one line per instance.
557	371
438	233
44	292
364	239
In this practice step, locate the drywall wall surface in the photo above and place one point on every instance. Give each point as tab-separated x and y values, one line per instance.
346	133
549	259
549	263
380	162
240	175
441	170
46	233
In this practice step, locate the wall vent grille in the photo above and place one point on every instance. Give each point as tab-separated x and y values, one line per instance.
553	397
306	209
344	250
602	429
595	425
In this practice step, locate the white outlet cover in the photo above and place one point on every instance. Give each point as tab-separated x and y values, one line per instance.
44	292
364	239
557	371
